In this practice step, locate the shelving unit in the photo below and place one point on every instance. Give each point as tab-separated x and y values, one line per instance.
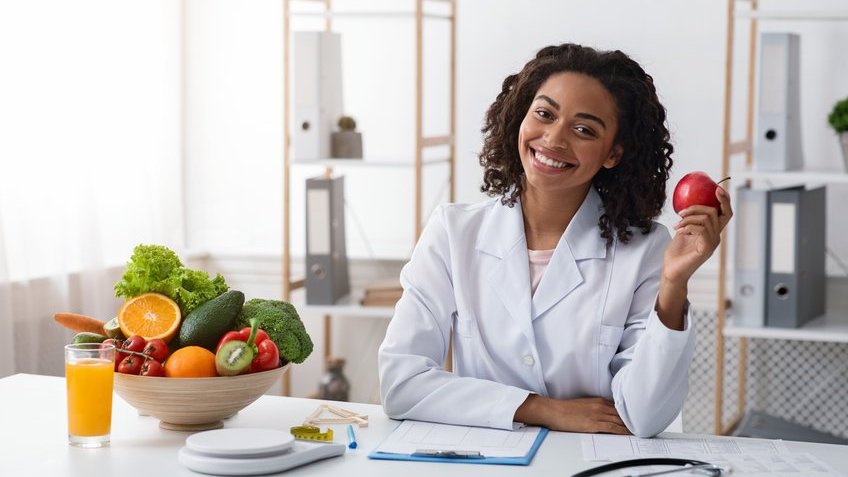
830	328
350	306
833	326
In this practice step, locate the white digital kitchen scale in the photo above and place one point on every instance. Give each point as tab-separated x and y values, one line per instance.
247	451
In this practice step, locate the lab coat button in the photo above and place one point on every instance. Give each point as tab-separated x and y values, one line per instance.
529	361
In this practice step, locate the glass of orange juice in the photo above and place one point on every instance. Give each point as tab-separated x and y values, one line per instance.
89	372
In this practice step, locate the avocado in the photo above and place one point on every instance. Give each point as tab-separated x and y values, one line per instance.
87	337
205	325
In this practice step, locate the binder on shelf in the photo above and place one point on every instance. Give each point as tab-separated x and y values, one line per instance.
327	277
778	145
796	271
752	226
318	100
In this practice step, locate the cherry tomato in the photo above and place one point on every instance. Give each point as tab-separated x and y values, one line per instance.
156	349
117	344
134	343
130	365
151	367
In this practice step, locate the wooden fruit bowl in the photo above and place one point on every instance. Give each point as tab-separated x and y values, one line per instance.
194	404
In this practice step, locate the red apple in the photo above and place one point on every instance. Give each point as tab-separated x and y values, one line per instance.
696	188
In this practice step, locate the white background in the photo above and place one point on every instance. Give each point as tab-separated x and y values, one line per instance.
222	89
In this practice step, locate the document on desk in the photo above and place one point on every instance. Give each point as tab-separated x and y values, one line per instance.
417	439
609	447
746	457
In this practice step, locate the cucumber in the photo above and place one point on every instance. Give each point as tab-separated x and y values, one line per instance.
87	337
205	325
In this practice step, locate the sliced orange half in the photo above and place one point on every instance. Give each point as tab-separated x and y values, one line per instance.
150	316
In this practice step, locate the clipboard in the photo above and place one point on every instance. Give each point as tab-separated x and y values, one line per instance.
470	456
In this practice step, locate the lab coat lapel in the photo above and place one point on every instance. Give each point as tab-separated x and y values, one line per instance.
502	236
581	241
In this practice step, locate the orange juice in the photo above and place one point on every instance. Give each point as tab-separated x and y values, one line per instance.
89	382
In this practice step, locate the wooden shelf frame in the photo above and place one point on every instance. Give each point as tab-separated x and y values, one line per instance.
745	146
421	142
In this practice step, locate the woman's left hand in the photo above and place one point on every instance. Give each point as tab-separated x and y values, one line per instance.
697	235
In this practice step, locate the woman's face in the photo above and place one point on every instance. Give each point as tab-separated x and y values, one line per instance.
567	134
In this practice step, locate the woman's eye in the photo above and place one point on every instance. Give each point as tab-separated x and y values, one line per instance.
585	131
543	114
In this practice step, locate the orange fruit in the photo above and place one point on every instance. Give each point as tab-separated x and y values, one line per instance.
191	362
150	316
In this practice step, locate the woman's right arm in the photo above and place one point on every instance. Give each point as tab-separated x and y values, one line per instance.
413	381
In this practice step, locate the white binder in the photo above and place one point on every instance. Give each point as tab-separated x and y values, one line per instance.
778	144
318	101
751	255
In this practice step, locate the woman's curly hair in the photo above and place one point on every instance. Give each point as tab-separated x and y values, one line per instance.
633	192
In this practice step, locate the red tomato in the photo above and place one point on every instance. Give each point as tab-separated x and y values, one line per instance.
117	344
134	343
156	349
130	365
151	367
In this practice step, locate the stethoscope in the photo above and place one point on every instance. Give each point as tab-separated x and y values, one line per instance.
685	465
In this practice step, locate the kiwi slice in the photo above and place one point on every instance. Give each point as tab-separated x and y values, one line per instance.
234	358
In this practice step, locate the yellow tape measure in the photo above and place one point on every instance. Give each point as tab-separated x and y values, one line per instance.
311	433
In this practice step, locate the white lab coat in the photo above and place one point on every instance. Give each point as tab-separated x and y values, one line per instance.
590	329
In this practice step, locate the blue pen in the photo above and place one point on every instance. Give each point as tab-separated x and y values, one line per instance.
351	437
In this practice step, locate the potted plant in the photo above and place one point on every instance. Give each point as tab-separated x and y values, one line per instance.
838	120
346	143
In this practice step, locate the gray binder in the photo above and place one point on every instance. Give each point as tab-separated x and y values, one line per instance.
327	277
751	255
796	279
778	146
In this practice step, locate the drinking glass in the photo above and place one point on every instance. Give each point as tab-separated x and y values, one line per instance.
89	373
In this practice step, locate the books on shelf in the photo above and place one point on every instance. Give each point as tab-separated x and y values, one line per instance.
382	293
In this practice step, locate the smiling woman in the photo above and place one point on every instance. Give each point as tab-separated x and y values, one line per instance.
90	159
564	301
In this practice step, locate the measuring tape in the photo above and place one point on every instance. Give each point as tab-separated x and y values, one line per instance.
312	433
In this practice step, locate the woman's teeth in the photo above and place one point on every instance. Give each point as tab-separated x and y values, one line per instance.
550	162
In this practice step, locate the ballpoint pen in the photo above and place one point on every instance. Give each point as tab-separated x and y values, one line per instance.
351	437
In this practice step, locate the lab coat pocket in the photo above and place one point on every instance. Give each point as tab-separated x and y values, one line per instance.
465	355
608	342
611	336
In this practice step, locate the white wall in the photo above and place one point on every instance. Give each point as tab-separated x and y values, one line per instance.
234	107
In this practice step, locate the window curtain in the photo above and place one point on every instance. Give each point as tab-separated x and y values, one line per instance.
90	160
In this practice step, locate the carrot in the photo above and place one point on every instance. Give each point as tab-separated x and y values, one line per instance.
80	323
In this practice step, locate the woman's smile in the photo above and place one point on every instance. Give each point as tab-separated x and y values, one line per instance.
549	162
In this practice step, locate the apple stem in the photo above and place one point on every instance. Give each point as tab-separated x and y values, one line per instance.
725	179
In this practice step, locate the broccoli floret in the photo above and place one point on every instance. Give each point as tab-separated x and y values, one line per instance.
282	323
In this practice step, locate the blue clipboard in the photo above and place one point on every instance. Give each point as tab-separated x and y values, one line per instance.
523	460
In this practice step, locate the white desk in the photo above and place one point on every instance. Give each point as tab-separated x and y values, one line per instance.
34	441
